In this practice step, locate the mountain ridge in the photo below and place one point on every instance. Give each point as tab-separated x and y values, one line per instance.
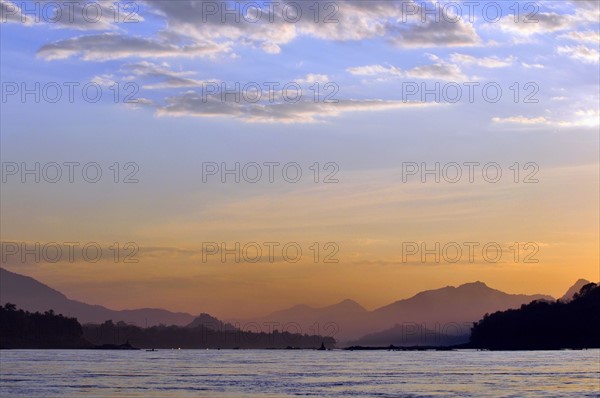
30	294
345	320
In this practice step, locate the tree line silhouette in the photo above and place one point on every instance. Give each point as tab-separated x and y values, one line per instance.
543	325
23	329
200	336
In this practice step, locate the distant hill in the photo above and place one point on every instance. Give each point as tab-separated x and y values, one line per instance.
465	303
568	296
450	310
543	325
413	335
31	295
210	322
343	321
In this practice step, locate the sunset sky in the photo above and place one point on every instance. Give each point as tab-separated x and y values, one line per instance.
364	125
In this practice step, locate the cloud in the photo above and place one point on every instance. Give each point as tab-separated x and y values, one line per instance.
485	62
191	30
206	21
440	70
578	118
521	120
337	21
194	104
532	66
105	80
435	34
587	36
540	23
580	53
591	8
166	77
110	46
313	78
374	70
437	71
583	13
585	117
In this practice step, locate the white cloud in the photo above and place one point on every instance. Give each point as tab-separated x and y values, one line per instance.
435	34
579	118
580	53
106	80
374	70
532	66
586	117
485	62
582	13
193	104
192	32
166	77
438	71
587	36
521	120
313	78
110	46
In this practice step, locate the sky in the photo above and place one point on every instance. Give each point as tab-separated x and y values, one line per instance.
389	146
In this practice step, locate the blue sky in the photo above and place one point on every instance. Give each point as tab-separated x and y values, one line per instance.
171	54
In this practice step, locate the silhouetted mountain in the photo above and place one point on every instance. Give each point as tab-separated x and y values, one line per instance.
23	329
450	310
465	303
343	320
568	296
409	335
31	295
210	322
543	325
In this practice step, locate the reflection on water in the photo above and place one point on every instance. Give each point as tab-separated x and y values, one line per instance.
243	373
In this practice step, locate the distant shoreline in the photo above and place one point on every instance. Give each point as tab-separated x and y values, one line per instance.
352	348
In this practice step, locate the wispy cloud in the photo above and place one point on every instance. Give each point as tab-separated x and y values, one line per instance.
111	46
580	53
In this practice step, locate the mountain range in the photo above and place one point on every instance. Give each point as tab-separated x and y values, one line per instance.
443	315
31	295
448	310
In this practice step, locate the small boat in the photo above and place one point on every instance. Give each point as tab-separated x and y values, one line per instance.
152	350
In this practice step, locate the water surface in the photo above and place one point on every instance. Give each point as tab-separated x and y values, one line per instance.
280	373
